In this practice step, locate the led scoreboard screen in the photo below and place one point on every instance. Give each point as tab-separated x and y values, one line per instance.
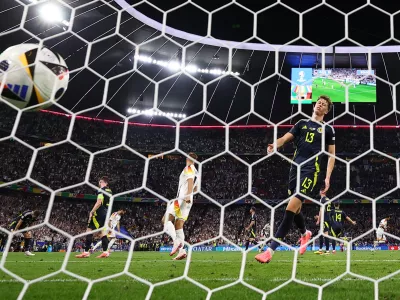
308	83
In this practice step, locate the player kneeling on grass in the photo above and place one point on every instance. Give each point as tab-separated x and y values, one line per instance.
22	221
178	210
97	219
113	222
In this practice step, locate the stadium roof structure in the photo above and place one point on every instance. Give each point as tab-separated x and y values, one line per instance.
251	59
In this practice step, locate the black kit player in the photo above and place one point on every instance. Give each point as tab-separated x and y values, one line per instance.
97	219
251	229
22	221
307	136
336	224
327	217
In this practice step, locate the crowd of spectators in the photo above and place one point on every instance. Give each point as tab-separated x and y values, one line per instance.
223	178
70	215
350	75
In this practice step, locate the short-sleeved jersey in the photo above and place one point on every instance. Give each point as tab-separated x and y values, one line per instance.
26	217
253	218
383	224
327	210
105	199
189	172
338	216
114	219
308	138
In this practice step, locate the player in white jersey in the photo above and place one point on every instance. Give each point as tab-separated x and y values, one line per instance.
380	232
113	222
178	210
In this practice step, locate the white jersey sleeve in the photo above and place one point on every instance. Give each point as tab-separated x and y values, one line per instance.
189	172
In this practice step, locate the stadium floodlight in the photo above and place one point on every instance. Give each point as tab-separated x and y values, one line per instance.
176	66
51	13
191	68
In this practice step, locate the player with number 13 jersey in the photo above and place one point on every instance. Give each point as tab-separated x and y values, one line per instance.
307	136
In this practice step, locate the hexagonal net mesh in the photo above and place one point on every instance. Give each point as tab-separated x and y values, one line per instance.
63	29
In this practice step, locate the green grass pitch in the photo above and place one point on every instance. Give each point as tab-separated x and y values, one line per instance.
212	269
358	94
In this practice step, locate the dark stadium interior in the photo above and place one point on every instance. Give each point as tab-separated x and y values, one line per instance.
228	98
114	58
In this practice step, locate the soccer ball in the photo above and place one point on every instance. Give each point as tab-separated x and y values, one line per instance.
24	84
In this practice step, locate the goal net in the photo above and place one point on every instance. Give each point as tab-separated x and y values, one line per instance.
136	88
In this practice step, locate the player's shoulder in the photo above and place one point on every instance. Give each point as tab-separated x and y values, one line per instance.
302	121
190	170
106	189
329	127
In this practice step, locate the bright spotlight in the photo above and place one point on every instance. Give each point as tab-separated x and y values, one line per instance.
51	13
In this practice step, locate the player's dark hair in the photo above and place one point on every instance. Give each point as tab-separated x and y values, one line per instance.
36	213
105	179
328	100
193	155
253	208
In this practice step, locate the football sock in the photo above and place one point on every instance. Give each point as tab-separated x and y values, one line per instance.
89	239
299	221
111	243
283	228
247	244
321	242
27	244
326	244
97	245
170	229
180	235
333	244
104	243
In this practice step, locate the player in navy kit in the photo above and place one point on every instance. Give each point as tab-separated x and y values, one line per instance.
23	220
336	224
307	136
